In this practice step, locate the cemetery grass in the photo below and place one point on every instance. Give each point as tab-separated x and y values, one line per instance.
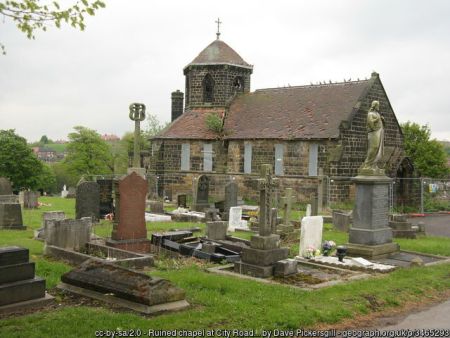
221	301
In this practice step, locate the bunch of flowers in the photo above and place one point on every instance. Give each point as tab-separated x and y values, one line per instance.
311	251
327	247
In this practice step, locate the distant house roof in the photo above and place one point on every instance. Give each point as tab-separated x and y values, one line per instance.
218	52
304	112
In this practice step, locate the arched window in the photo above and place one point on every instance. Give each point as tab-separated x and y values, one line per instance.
208	88
238	84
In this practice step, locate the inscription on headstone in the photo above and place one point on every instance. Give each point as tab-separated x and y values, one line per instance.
235	218
311	234
105	196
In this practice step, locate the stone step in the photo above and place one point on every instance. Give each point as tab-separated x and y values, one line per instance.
16	272
11	255
263	257
22	290
400	225
404	234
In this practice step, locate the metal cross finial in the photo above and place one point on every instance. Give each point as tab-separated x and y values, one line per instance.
218	22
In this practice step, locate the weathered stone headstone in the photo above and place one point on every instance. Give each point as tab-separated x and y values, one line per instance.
30	199
216	230
314	205
182	201
286	202
129	229
231	198
401	228
5	186
235	219
18	284
71	193
212	215
310	234
258	260
10	213
48	216
72	234
342	220
156	207
106	196
102	278
87	201
201	193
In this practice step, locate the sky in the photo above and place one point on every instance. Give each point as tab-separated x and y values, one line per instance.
135	51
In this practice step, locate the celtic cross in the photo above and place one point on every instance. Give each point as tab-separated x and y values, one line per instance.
137	114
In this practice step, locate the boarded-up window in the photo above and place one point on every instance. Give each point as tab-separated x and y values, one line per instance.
279	149
185	156
313	157
247	158
207	157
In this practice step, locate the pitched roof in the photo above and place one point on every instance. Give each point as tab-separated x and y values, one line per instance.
303	112
191	125
218	52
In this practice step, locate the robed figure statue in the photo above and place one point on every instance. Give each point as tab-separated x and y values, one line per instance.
375	144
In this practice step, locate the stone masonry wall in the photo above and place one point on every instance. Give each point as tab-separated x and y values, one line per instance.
223	76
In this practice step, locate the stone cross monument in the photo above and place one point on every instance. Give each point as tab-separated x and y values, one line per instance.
137	114
259	259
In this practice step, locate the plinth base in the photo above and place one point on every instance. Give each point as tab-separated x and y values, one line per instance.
253	270
141	245
372	251
370	236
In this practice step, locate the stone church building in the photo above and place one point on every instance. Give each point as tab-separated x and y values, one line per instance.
310	134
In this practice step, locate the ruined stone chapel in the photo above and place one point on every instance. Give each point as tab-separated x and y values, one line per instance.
308	133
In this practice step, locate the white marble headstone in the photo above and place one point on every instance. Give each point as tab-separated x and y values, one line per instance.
308	210
311	234
64	192
234	220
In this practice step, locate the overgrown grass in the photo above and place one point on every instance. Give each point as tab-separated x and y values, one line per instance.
226	302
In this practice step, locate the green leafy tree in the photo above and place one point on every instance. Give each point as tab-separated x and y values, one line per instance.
45	140
47	179
63	175
33	15
428	156
18	162
87	153
153	125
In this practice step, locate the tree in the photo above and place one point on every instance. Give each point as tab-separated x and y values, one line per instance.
428	156
154	126
18	162
87	153
47	179
45	140
32	15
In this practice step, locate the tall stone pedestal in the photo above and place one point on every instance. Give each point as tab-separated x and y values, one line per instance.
370	235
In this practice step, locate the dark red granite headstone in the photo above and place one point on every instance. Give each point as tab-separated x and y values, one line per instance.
129	231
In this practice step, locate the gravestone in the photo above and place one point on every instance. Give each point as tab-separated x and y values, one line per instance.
10	213
216	230
48	216
182	201
64	192
370	235
71	193
259	259
314	205
310	234
30	199
342	220
5	186
231	198
212	215
201	193
95	279
308	210
105	187
129	229
71	234
87	201
401	228
235	219
287	205
156	207
18	283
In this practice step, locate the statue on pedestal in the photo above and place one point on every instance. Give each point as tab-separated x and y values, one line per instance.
375	142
